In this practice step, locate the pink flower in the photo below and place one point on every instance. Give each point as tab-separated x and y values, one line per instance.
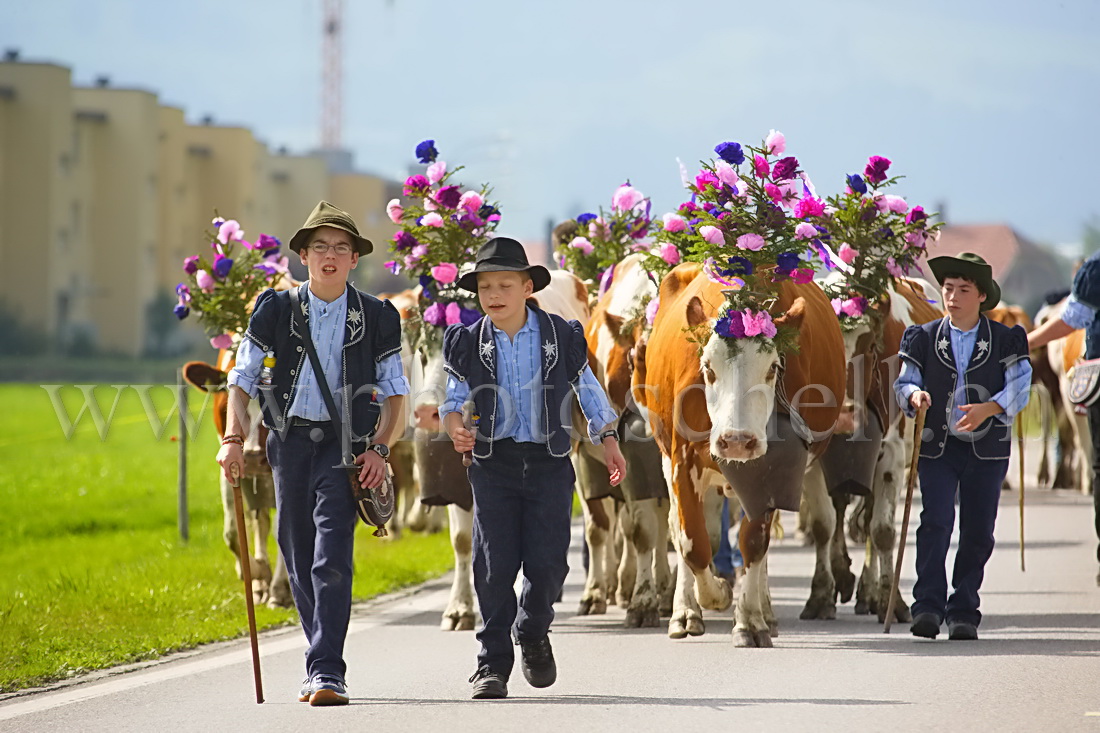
599	229
431	220
751	242
847	253
837	304
419	250
704	179
395	211
775	143
773	191
411	261
802	275
712	235
230	230
896	204
416	185
436	171
670	254
205	281
760	165
758	324
852	307
582	244
726	173
453	314
809	206
445	272
224	341
651	310
430	205
471	201
191	264
625	198
893	268
805	231
674	223
916	239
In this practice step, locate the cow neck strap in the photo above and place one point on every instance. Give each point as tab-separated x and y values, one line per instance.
343	431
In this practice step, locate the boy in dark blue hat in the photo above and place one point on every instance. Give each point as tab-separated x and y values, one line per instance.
973	375
520	366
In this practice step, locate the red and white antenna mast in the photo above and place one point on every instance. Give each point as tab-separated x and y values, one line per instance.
332	87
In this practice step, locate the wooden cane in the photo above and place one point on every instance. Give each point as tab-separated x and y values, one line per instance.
1020	444
468	423
918	435
246	573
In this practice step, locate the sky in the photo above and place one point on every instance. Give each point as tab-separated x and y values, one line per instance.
989	109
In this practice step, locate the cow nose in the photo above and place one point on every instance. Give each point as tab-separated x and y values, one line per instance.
426	417
741	439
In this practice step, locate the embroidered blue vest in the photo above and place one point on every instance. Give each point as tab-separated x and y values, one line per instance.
1086	289
469	354
928	347
372	332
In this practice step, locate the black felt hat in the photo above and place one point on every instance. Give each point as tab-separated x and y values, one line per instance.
971	267
502	254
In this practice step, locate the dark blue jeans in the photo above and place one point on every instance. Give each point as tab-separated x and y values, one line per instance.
316	530
523	500
977	484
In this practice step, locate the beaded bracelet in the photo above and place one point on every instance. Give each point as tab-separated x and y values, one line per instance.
234	438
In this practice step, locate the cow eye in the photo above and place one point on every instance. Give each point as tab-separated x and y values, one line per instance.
772	371
708	373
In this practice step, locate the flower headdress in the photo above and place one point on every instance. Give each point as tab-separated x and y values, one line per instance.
441	227
221	285
751	228
880	237
593	243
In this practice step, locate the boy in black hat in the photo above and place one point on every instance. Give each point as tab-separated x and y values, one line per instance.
357	339
519	366
973	375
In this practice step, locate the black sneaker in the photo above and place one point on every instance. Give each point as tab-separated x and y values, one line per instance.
961	631
926	625
537	662
489	685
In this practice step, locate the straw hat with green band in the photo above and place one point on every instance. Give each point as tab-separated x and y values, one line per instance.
971	267
327	215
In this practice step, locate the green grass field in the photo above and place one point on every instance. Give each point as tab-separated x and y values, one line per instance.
95	573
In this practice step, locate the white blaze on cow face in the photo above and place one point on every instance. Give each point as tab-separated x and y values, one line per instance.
430	393
740	392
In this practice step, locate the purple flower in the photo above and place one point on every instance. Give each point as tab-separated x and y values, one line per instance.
585	218
876	168
730	152
403	240
191	264
856	184
426	152
785	169
266	242
469	316
435	314
181	311
183	293
787	261
688	207
448	197
393	266
915	214
738	267
488	210
730	327
222	266
416	185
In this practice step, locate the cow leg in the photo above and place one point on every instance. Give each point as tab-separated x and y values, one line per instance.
662	571
687	616
822	524
838	557
646	520
751	627
857	521
459	614
597	531
889	475
628	555
258	492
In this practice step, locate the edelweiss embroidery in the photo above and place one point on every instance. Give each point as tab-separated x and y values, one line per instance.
355	326
943	344
551	350
487	349
983	346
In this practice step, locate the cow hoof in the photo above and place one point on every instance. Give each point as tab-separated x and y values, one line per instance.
642	618
591	607
448	623
818	609
845	585
763	639
862	609
695	626
773	629
623	600
466	622
676	628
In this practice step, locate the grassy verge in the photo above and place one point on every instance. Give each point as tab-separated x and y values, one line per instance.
95	573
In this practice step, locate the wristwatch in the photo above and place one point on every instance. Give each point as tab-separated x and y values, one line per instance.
609	434
381	449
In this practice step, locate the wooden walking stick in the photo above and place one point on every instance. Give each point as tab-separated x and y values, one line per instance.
918	435
468	421
1020	444
246	573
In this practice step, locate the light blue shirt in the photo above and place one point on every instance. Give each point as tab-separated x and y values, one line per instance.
326	328
1012	398
519	375
1076	314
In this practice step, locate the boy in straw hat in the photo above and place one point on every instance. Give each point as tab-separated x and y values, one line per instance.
973	375
357	339
520	366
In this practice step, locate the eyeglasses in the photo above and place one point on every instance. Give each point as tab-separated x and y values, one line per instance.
321	248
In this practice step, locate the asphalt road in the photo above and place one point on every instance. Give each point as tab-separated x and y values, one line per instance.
1036	667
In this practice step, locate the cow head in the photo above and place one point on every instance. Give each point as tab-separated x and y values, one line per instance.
208	378
740	382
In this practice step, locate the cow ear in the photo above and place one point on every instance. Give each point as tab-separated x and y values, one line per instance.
615	326
201	375
793	316
696	316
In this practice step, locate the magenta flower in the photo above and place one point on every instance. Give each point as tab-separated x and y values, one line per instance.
773	192
393	266
435	314
191	264
775	143
847	253
436	171
471	201
760	165
416	186
431	220
712	235
894	268
266	241
224	341
395	211
670	254
674	223
915	214
688	207
802	275
448	197
916	239
853	307
445	272
230	229
758	324
205	281
404	240
785	169
704	179
875	172
809	206
583	245
751	242
805	231
625	198
452	313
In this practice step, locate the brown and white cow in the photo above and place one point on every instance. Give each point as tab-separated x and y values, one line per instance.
747	417
1074	469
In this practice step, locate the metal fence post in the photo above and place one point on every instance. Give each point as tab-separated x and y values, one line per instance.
181	404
